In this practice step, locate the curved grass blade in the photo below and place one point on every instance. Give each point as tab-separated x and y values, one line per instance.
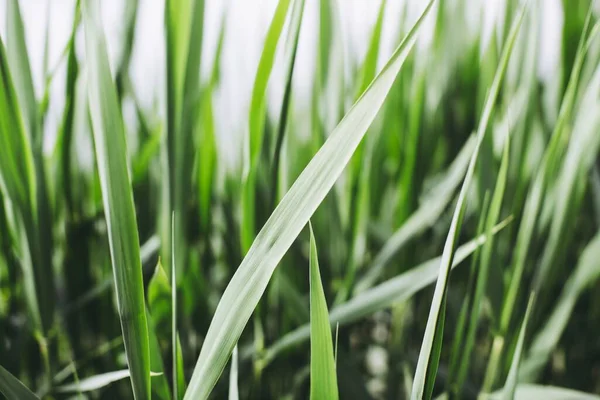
546	340
17	178
323	378
425	216
13	388
111	156
96	382
395	290
256	123
511	381
291	47
291	215
484	267
39	224
430	349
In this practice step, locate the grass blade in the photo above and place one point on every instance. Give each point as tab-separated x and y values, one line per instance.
13	388
546	340
425	216
117	198
484	267
430	349
18	182
95	382
289	218
256	123
233	376
511	381
323	379
395	290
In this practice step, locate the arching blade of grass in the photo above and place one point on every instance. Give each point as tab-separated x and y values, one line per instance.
395	290
13	388
546	340
454	388
117	196
256	121
425	216
551	161
287	221
95	382
484	268
431	347
323	378
511	381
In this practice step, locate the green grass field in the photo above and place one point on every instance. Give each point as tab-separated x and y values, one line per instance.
426	226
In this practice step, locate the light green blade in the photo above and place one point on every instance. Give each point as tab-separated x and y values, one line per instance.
323	378
393	291
95	382
546	340
117	196
431	346
17	181
511	380
256	121
13	388
484	268
291	215
425	216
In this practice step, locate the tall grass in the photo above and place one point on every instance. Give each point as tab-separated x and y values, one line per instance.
136	274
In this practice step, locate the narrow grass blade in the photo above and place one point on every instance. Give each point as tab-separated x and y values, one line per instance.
431	346
95	382
13	388
291	47
323	378
425	216
256	121
454	388
160	386
393	291
546	340
484	267
18	182
111	156
293	212
513	373
259	91
21	70
233	376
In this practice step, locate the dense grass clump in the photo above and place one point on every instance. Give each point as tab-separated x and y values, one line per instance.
427	227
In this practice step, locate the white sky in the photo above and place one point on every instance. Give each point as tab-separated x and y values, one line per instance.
247	22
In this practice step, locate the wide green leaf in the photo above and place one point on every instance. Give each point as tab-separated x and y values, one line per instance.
279	232
117	196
